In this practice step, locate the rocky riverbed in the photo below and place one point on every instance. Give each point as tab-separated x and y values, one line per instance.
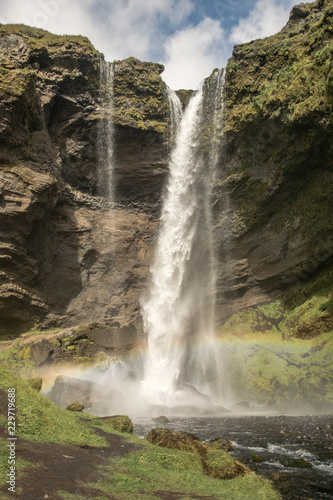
296	452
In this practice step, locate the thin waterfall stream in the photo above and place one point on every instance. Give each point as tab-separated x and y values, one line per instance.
105	141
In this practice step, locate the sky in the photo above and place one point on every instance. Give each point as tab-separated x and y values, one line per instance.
190	37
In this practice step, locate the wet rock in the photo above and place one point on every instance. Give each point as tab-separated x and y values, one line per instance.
161	420
276	476
257	458
241	406
295	462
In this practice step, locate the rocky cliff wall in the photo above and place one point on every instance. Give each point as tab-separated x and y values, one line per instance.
275	187
64	259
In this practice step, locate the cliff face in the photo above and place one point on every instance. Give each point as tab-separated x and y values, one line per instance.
275	186
64	259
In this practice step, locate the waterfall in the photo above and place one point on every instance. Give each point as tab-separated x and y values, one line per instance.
178	312
105	141
175	110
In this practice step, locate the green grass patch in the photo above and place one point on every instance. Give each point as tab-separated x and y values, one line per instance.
140	474
40	420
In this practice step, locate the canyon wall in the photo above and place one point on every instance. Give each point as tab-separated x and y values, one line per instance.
68	259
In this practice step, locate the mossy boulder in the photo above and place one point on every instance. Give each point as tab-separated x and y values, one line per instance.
76	406
220	464
35	383
300	463
184	441
221	444
215	462
120	423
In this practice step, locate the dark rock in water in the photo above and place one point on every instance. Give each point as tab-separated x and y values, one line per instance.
275	476
257	458
295	462
76	406
192	391
161	420
221	444
241	406
121	423
218	410
67	390
158	410
185	410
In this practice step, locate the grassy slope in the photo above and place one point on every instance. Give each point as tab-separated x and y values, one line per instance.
138	474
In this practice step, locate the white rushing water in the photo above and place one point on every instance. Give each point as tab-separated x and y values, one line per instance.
178	312
105	141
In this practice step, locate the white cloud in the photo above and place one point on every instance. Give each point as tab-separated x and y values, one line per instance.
192	53
117	28
266	18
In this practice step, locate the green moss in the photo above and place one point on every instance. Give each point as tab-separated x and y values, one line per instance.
282	351
220	464
76	406
121	423
151	469
35	383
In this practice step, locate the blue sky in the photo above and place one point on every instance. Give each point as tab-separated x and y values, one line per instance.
190	37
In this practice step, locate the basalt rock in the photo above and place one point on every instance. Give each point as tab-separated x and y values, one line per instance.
64	259
275	184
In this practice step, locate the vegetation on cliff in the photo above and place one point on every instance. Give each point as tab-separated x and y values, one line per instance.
281	353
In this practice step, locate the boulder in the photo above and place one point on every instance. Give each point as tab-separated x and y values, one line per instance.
161	420
76	406
121	423
67	390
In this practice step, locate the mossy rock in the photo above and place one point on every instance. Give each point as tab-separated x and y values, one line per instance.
183	441
76	406
120	423
220	464
257	458
35	383
300	463
221	444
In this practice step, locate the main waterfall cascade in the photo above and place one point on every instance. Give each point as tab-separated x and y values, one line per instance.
178	311
105	141
180	367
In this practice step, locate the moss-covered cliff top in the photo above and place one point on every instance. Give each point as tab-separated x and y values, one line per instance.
140	97
26	50
287	76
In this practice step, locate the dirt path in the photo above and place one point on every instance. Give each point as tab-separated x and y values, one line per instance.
61	467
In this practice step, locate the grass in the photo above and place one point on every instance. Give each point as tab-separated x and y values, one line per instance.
136	475
288	76
41	420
